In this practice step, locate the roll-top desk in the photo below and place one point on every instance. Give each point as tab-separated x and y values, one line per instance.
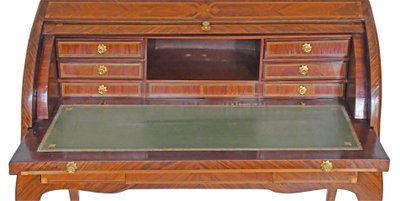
281	95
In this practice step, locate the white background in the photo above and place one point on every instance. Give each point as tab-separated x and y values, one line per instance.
16	21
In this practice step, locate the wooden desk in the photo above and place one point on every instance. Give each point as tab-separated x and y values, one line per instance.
207	58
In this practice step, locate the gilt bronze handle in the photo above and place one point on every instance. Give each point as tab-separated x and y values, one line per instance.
302	90
71	167
102	70
326	166
307	48
101	48
102	89
303	69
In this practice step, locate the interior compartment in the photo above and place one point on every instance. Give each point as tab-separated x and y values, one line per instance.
203	59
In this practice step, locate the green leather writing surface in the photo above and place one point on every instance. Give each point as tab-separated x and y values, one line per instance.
196	128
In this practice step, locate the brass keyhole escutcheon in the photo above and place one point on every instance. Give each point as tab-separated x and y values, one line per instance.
102	70
302	90
102	89
303	69
206	26
71	167
307	48
101	49
326	166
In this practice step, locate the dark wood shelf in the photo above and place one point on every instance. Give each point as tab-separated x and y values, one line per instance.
222	60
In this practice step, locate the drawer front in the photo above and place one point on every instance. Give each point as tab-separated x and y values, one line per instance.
101	70
340	177
304	90
101	89
331	48
100	49
83	178
198	178
326	70
201	90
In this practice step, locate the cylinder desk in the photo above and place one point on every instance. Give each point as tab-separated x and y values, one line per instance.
283	95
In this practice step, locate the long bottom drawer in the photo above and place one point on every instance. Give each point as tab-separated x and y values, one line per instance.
202	89
152	177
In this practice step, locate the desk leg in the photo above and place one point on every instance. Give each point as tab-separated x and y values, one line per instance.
29	188
331	194
74	195
370	187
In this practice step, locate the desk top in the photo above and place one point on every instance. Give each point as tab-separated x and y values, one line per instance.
199	128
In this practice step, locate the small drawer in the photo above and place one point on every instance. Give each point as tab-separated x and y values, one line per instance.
83	178
328	48
303	90
315	177
101	89
201	90
102	70
325	70
185	177
100	49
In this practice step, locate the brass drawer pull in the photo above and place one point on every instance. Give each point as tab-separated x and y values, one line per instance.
302	90
326	166
307	48
71	167
205	26
303	69
102	89
101	48
102	70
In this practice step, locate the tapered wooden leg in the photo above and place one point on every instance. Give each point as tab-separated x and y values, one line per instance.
29	188
74	195
331	194
370	187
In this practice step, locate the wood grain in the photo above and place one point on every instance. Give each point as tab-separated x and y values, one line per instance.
375	70
31	61
121	70
47	61
82	178
357	85
90	89
322	90
315	177
331	194
316	70
80	48
198	178
74	195
202	89
185	11
168	29
368	188
339	48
